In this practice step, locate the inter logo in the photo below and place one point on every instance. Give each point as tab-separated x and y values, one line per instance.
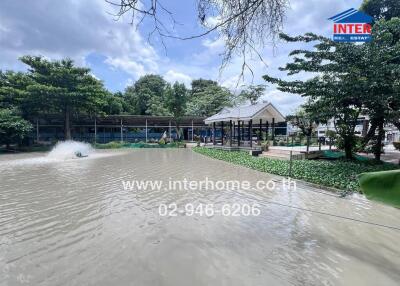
351	26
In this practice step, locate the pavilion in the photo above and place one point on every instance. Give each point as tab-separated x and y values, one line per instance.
234	128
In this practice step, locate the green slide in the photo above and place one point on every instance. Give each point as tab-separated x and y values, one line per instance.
382	186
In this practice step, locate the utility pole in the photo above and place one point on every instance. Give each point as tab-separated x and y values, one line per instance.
122	135
146	130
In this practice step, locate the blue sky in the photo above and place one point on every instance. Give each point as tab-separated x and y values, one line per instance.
118	54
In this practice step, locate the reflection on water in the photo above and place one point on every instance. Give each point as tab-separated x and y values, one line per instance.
71	223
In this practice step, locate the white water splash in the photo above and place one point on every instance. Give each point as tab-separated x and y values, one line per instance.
68	150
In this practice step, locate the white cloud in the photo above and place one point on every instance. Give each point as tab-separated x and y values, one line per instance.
133	68
129	82
216	44
74	29
231	83
212	21
286	103
173	76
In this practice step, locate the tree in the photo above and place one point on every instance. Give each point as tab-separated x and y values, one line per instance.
13	128
115	103
252	93
61	87
199	85
381	101
243	25
381	9
176	99
146	96
13	91
207	98
337	89
305	121
331	135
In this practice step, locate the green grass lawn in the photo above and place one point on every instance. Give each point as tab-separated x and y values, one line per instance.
382	186
338	174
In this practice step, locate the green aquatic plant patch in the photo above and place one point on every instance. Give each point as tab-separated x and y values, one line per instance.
338	174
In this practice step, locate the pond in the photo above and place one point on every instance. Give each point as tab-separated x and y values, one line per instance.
72	222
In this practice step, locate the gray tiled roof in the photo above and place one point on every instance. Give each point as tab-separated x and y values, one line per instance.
240	113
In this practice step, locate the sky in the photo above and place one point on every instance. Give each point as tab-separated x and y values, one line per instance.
118	53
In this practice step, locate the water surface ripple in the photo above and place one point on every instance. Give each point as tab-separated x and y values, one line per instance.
70	222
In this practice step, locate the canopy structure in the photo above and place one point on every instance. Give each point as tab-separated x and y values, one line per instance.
265	111
243	123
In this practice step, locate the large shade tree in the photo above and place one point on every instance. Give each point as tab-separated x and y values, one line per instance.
176	100
381	99
252	93
61	87
336	86
207	98
147	95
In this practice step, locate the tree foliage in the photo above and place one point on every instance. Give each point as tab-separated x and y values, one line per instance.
252	93
147	95
13	91
336	89
305	121
381	101
349	80
61	87
207	98
381	9
176	100
13	128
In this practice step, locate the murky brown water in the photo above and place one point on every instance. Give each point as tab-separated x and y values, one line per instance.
72	223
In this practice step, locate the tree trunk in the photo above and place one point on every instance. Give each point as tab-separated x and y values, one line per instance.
379	140
67	126
348	148
309	134
178	129
371	133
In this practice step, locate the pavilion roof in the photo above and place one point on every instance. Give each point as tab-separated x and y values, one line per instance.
263	110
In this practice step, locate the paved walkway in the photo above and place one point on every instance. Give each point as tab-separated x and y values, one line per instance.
388	156
391	155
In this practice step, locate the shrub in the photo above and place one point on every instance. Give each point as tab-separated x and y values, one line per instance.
396	145
161	141
110	145
264	146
